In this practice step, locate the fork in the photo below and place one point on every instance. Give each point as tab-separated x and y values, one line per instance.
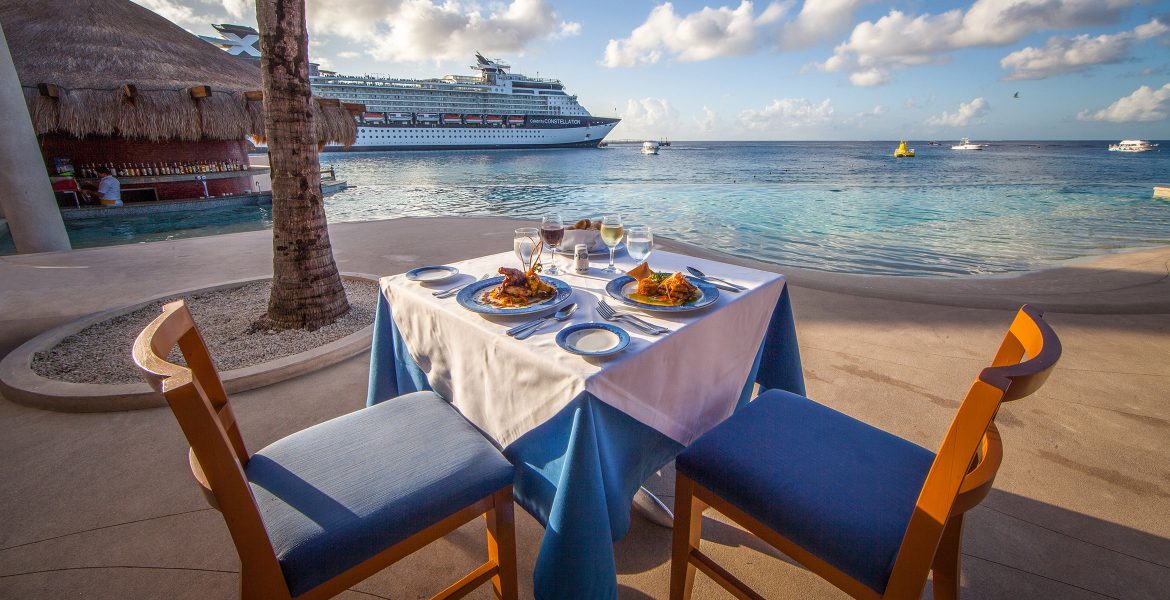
607	312
454	290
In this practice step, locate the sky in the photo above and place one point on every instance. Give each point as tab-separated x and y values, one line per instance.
779	70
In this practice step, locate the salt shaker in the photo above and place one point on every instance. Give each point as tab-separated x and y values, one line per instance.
581	258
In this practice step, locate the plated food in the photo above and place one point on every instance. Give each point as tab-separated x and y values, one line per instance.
518	289
662	289
651	291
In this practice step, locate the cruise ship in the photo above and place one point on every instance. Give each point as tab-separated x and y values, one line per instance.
494	110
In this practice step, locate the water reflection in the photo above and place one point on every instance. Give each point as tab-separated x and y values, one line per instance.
844	207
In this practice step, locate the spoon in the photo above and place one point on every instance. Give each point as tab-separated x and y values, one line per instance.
560	315
735	287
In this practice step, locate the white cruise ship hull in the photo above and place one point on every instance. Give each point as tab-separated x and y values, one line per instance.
539	132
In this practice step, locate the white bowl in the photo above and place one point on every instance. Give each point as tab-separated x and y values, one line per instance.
590	237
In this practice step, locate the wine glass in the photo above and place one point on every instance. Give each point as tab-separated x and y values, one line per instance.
552	231
611	234
639	243
524	242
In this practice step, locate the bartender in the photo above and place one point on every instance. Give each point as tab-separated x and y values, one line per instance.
109	190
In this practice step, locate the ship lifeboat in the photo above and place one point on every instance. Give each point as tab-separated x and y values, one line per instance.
374	118
514	120
452	119
473	119
903	151
400	117
493	120
426	117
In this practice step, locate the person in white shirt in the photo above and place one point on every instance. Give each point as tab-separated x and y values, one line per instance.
109	188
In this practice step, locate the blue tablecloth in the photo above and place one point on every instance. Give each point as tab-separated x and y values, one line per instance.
577	472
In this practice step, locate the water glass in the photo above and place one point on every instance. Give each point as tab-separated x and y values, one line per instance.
639	243
552	231
612	232
524	241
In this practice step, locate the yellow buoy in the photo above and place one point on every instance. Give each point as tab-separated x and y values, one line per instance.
903	152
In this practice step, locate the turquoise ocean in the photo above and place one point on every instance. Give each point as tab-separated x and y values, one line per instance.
832	206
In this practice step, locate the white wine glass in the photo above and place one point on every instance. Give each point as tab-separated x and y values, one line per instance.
639	243
612	232
524	241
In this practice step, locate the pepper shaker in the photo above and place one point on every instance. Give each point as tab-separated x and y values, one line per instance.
581	258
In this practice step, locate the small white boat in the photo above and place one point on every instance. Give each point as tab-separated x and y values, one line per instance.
965	144
649	147
1132	146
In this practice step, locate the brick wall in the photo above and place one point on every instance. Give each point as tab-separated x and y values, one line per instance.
101	150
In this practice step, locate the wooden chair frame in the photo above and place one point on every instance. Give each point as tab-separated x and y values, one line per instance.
218	456
960	477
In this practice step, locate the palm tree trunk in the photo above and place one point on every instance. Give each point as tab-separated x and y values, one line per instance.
306	287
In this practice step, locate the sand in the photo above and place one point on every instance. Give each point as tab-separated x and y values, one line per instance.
100	353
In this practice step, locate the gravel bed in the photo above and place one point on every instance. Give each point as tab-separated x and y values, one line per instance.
101	353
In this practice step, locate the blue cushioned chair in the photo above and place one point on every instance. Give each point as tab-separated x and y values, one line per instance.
319	511
870	512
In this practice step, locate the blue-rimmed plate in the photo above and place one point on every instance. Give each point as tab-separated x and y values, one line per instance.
593	339
432	274
620	289
471	298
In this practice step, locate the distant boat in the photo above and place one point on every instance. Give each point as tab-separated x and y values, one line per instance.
965	144
903	152
649	147
1132	146
933	144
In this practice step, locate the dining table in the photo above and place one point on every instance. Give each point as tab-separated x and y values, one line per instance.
584	432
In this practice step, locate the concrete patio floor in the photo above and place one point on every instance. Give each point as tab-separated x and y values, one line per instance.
102	505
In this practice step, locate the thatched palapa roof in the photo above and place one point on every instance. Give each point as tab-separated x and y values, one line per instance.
112	67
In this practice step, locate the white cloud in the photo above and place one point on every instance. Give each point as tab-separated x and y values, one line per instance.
787	113
706	123
569	29
911	103
702	35
818	20
175	12
898	40
1144	104
1062	55
648	117
721	31
423	31
968	113
348	54
240	9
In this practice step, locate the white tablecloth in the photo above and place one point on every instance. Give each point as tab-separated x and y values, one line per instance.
681	384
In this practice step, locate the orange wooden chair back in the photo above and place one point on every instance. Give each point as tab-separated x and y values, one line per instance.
969	457
218	456
960	477
196	395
